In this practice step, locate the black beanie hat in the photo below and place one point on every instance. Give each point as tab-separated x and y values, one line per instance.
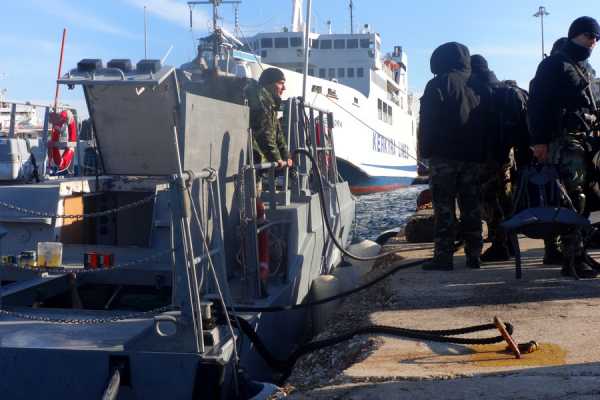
271	75
584	25
478	63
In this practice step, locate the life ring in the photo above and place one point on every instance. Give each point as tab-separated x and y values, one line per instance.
65	126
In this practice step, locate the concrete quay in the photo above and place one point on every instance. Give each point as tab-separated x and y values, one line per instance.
560	313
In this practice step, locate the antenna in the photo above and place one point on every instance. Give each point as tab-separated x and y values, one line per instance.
215	4
236	9
145	35
541	13
351	17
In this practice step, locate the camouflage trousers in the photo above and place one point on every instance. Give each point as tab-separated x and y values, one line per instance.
496	195
567	152
453	182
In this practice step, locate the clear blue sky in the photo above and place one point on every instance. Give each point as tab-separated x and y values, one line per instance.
503	31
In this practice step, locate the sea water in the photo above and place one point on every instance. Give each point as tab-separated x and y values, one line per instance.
378	212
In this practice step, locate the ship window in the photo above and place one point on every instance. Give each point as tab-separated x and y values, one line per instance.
352	44
281	43
331	73
263	53
295	42
339	44
311	72
379	109
266	43
314	43
360	72
341	72
317	89
350	72
364	43
326	44
385	112
391	116
322	73
355	102
331	93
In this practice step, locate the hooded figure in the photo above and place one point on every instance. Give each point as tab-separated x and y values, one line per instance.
450	136
449	125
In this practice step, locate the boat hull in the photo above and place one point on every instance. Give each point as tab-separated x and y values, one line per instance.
383	179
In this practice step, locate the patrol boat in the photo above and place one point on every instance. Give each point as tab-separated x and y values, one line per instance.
140	268
366	88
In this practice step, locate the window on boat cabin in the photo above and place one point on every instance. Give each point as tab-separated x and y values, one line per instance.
360	72
317	89
314	43
331	93
311	71
322	73
263	53
341	73
355	102
350	73
390	116
379	109
266	43
295	42
385	112
326	44
365	43
339	44
331	73
255	45
352	44
281	43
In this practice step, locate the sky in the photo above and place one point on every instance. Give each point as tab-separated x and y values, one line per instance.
505	32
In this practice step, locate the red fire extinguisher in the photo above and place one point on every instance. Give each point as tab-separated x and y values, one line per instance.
263	246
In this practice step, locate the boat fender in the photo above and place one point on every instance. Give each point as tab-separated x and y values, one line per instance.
263	245
63	126
365	248
323	287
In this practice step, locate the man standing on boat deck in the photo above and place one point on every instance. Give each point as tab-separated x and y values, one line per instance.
561	108
450	137
269	142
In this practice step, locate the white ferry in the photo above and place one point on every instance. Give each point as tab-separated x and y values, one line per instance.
365	88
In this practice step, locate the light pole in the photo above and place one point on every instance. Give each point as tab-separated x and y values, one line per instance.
541	13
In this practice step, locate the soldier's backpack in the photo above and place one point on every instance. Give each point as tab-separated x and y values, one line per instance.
509	105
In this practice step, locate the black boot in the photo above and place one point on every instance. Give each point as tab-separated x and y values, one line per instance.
473	262
552	255
496	252
437	265
578	270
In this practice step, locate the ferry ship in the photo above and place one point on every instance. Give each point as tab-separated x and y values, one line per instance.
366	89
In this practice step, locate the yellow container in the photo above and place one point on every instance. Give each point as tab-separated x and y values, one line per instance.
49	254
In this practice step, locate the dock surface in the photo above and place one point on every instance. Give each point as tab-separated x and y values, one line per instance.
558	312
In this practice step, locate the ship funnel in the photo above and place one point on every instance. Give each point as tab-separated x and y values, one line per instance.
297	20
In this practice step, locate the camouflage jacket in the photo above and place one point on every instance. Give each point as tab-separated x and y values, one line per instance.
269	142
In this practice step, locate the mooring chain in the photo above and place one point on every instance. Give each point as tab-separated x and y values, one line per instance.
91	270
87	321
78	216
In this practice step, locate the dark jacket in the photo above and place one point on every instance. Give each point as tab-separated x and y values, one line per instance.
269	143
450	123
559	95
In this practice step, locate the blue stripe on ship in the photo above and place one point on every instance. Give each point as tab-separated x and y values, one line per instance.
360	182
407	168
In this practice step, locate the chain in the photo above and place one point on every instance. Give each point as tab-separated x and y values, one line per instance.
98	269
89	215
87	321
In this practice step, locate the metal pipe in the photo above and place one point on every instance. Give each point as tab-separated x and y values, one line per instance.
306	46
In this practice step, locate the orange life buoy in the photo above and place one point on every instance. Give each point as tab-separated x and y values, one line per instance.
63	125
263	245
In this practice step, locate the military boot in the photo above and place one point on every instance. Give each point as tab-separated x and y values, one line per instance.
438	264
496	252
552	254
578	270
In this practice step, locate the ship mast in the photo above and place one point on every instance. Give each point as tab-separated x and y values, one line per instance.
306	47
351	17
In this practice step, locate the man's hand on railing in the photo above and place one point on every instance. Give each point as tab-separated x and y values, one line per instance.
280	164
290	163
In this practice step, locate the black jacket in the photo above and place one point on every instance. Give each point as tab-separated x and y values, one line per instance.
450	121
559	95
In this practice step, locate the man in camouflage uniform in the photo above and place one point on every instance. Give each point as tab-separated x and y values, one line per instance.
450	137
561	110
264	99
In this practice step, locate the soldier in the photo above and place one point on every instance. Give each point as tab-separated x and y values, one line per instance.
264	99
450	137
560	113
